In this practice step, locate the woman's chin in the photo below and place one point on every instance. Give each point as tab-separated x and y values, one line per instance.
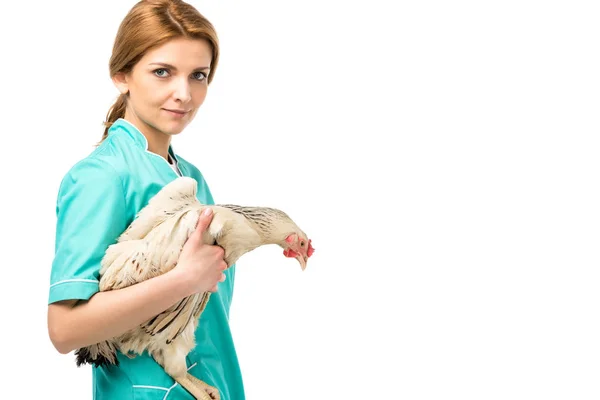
173	127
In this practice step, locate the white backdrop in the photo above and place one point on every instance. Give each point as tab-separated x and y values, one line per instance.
443	157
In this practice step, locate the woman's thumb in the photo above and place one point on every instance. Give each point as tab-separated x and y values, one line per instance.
204	220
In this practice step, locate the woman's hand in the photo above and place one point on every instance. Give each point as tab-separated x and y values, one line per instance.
201	265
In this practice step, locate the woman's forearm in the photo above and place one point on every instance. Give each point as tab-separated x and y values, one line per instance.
109	314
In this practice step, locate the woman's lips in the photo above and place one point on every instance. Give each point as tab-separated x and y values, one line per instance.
176	113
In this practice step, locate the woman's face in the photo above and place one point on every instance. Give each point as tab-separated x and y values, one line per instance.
167	86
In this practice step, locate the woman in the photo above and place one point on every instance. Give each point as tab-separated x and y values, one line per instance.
164	56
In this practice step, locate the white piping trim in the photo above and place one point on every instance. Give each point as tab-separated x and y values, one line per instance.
150	387
74	280
168	390
192	366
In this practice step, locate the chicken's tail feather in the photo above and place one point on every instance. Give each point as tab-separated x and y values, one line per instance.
99	354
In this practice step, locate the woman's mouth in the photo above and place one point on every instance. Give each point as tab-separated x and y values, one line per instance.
176	113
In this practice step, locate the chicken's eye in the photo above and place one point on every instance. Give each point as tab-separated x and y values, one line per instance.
302	244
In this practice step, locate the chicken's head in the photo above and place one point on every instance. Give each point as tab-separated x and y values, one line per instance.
298	246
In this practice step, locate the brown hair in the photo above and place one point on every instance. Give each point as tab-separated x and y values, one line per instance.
151	23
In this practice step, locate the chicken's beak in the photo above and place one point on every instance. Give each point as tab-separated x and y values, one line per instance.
302	261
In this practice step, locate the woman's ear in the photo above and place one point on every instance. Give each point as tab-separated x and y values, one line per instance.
120	81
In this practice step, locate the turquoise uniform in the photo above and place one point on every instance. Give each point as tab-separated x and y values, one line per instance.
98	198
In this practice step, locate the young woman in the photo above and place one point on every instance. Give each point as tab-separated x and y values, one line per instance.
164	56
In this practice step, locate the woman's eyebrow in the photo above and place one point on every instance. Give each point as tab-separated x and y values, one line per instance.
173	67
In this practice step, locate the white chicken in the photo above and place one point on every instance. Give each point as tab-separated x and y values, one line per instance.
151	246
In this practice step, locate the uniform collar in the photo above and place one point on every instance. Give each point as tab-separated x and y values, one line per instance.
136	135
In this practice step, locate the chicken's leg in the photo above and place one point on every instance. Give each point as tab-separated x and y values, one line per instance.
200	390
172	359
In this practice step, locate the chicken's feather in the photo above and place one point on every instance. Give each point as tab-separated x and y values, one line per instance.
174	196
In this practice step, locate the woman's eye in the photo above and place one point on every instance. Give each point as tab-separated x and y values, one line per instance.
161	72
199	76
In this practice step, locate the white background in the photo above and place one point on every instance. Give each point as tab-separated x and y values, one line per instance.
443	157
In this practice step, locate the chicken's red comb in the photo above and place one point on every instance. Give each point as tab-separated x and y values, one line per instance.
311	250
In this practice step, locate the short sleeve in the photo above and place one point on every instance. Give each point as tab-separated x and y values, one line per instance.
91	215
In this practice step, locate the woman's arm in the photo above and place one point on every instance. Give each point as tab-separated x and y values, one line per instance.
73	324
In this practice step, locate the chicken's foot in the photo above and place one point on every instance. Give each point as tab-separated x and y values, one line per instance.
200	390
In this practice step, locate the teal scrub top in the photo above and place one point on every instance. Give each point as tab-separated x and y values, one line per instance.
97	200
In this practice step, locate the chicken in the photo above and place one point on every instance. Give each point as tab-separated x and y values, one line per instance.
151	246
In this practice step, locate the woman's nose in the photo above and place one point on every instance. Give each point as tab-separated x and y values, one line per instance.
182	90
